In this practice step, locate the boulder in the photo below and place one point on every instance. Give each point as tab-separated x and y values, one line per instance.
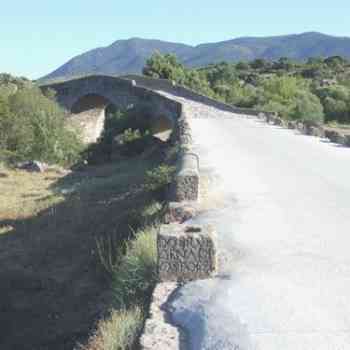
300	126
336	136
314	131
347	140
33	166
278	121
292	124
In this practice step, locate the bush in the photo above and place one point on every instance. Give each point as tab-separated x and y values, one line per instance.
307	108
283	110
243	96
118	332
125	132
130	135
164	67
336	102
136	274
159	178
33	127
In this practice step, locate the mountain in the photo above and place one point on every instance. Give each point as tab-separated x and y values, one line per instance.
129	56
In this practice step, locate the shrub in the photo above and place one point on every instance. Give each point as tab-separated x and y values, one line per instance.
117	332
308	108
242	96
33	127
125	132
336	110
283	110
165	67
336	102
130	135
136	274
242	66
159	178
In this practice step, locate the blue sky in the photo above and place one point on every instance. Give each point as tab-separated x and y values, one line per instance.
37	36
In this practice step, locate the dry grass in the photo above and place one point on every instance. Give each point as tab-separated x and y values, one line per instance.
49	225
117	332
134	276
24	194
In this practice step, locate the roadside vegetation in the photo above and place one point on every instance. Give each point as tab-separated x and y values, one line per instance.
317	90
32	125
78	249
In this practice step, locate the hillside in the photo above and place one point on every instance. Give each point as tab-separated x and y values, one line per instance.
129	56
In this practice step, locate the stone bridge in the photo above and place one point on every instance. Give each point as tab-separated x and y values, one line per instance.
88	98
279	203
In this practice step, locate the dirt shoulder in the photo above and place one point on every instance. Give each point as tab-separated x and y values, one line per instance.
52	290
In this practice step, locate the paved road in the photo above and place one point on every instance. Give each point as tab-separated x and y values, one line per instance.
281	204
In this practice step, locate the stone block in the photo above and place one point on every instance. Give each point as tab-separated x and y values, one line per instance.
186	252
186	184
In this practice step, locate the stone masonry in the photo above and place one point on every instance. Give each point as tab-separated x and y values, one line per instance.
186	252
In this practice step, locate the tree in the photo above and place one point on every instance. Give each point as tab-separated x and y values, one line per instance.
315	61
242	66
284	63
164	67
308	108
291	98
336	102
335	62
34	128
260	63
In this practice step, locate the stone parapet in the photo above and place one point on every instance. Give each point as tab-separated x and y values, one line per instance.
186	252
186	184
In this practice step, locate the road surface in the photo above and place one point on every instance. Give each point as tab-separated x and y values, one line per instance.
280	202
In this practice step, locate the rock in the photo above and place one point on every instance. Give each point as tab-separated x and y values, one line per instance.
336	137
33	166
186	252
278	121
300	127
59	170
347	140
262	115
292	124
180	212
314	131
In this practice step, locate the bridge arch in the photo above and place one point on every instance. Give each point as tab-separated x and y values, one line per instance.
88	114
88	98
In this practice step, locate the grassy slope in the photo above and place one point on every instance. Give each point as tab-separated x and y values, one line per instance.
54	292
